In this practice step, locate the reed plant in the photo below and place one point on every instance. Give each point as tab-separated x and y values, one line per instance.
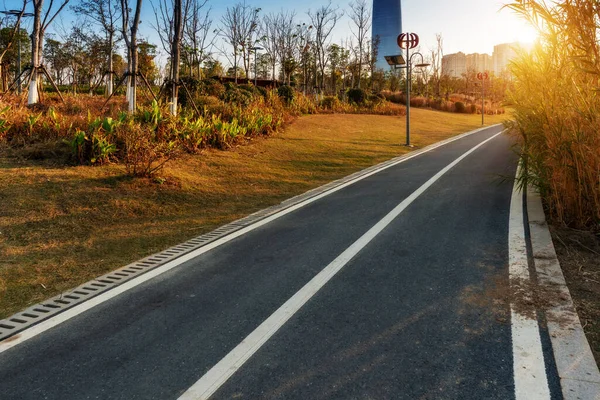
557	108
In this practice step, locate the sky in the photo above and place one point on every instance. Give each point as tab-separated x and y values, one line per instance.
470	26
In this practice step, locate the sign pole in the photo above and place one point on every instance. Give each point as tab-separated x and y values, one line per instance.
483	76
408	96
482	102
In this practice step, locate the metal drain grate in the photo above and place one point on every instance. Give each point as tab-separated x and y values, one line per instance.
46	309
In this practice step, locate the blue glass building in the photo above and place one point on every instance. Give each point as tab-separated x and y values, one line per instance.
387	25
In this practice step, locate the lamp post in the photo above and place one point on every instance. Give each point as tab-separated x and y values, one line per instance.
483	76
22	14
255	49
409	41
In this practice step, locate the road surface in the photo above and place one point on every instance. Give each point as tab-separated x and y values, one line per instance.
390	288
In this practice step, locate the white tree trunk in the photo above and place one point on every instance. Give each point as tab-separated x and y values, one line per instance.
174	107
131	97
33	97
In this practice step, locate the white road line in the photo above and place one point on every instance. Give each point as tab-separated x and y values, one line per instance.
93	302
224	369
531	382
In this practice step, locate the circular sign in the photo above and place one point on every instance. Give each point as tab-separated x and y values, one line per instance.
408	40
483	76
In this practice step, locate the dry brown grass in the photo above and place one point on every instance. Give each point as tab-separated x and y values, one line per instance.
61	226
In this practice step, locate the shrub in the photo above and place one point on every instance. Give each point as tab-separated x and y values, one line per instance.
287	93
329	103
92	148
235	95
302	105
418	101
460	107
374	100
356	96
142	154
213	87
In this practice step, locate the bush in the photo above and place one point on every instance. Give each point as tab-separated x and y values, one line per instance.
418	101
287	93
142	154
235	95
375	99
329	103
460	107
356	96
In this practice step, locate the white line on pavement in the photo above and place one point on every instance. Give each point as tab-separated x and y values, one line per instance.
224	369
93	302
531	382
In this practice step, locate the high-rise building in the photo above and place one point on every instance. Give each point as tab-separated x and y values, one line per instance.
386	26
503	53
454	65
479	62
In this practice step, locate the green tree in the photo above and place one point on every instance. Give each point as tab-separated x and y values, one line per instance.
10	47
147	66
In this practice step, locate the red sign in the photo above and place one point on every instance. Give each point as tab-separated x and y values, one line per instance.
408	40
483	76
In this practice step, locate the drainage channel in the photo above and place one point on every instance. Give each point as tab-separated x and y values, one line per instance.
55	305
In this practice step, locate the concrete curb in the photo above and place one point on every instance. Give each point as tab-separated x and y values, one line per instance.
577	369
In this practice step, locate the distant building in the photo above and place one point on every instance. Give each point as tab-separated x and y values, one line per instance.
386	26
457	64
503	53
479	62
454	65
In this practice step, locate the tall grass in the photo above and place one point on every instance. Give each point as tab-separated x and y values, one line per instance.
557	108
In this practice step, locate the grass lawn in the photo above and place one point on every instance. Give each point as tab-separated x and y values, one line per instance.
61	226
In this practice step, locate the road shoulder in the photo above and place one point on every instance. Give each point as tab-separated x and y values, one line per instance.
577	369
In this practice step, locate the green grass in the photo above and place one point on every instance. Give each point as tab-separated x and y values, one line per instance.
61	226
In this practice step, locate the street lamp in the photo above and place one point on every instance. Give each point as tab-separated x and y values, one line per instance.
255	49
409	41
22	14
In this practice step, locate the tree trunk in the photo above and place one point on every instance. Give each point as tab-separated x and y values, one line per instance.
176	54
109	82
36	38
133	76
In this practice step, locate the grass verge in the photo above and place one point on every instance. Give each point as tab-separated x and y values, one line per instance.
61	226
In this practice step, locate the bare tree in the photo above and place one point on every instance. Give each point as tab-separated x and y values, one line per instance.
11	38
41	20
270	40
170	18
198	41
437	55
361	17
231	33
106	14
129	30
323	21
288	35
240	25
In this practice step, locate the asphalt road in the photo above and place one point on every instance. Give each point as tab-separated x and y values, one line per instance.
412	316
